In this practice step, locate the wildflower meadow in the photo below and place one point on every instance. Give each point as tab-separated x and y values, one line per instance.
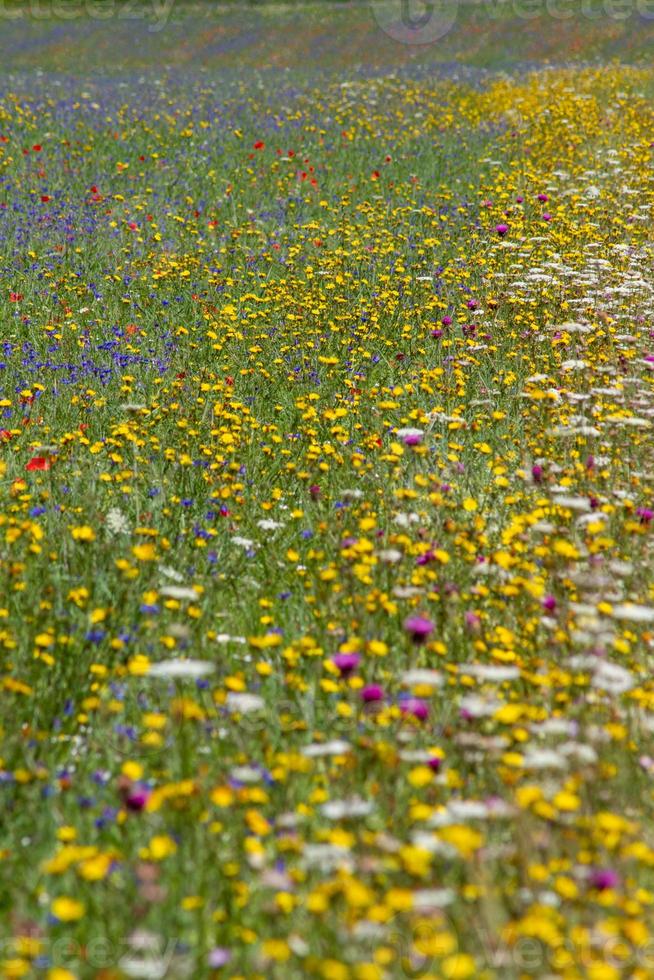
326	503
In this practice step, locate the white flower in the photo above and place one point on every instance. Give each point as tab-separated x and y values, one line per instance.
543	759
243	703
317	749
148	968
243	542
415	678
327	857
245	774
490	672
116	522
352	494
390	556
572	503
352	807
433	898
613	678
633	613
268	525
181	668
178	592
410	433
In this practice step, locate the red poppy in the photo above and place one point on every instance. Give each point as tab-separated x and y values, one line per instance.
38	463
15	297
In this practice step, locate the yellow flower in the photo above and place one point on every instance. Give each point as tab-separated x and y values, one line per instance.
459	966
161	846
276	949
144	552
67	909
133	770
82	532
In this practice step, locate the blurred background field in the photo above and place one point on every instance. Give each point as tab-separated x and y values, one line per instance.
118	37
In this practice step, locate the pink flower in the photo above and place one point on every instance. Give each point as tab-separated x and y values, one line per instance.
346	663
416	708
371	693
136	798
418	628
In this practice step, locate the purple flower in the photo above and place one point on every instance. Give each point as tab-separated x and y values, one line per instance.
418	628
346	662
501	230
537	473
136	798
472	621
371	693
645	514
415	707
413	439
549	603
218	957
603	878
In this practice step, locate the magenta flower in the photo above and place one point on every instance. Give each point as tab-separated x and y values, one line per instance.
549	603
501	230
418	628
447	321
603	879
413	439
543	198
537	473
416	708
371	693
346	662
136	798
